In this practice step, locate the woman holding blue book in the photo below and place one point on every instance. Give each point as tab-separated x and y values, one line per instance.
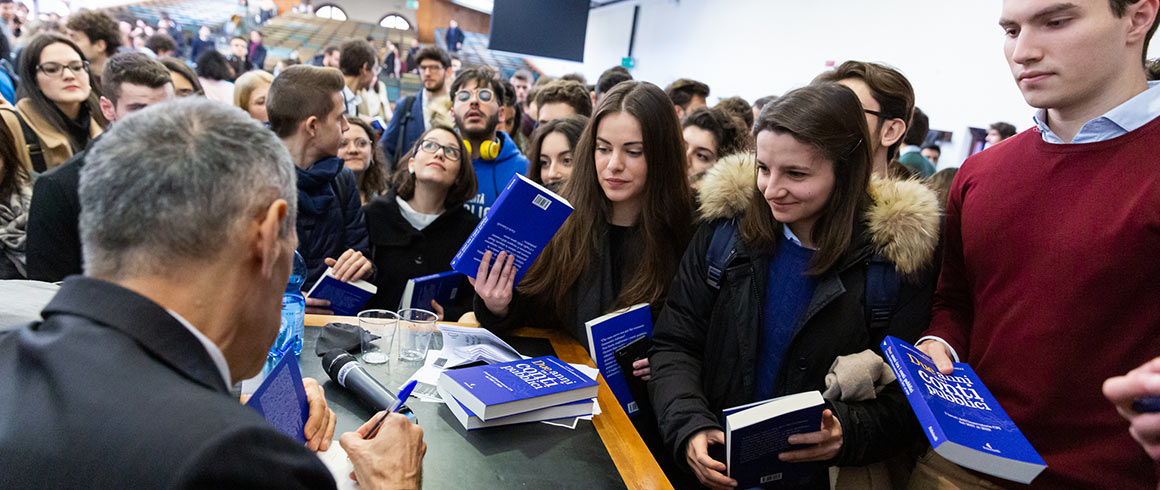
806	224
418	226
633	216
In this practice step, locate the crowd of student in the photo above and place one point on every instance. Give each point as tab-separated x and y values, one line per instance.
825	197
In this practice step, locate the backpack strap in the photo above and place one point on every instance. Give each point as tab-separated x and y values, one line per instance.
882	286
32	142
722	249
399	151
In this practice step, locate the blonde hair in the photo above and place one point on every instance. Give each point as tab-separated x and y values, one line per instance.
246	84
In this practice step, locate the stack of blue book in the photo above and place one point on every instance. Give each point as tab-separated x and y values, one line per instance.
527	390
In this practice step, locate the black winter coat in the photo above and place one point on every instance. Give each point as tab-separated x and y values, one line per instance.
705	343
400	252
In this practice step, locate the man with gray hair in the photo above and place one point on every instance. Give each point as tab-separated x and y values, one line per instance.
187	223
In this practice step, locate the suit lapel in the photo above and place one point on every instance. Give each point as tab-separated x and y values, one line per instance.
136	316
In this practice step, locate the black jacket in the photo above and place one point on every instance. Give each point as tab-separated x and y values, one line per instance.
330	216
110	391
705	343
54	241
400	252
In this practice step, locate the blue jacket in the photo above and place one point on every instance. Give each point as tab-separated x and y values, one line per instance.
330	216
412	127
494	175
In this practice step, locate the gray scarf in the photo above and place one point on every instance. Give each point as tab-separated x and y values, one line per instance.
13	222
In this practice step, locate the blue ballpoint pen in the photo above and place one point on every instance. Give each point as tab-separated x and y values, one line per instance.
403	395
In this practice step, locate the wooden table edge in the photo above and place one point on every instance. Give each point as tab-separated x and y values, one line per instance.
629	454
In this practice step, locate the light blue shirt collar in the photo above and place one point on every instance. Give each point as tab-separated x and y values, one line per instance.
1121	120
789	235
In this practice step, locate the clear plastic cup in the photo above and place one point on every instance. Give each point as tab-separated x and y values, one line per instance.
415	329
379	327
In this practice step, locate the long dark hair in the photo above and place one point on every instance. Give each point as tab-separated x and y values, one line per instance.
373	180
570	127
47	109
12	172
666	218
828	117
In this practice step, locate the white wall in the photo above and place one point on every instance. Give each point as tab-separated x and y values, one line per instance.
952	51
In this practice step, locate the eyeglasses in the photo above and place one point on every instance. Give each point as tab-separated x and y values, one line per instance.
430	67
431	147
56	69
483	94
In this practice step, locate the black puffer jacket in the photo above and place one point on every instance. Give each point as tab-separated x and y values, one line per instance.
705	342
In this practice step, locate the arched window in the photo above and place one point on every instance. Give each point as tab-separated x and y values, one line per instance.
330	12
395	21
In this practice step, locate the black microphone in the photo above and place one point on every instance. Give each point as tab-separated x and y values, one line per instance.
345	370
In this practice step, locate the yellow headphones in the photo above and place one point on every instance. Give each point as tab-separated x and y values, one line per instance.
488	150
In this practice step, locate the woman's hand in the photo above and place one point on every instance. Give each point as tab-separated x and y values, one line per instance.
494	284
825	443
641	370
437	309
708	470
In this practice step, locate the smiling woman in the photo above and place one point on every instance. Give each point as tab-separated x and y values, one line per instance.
806	221
56	103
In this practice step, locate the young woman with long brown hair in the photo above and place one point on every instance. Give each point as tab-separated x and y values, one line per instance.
808	223
633	216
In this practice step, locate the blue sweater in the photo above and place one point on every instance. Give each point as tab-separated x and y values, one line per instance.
788	291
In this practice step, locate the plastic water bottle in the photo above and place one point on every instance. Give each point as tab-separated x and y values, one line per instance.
293	316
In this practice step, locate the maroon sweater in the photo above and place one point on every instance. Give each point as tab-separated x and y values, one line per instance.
1051	284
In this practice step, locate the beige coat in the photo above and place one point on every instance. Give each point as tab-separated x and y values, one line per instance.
53	143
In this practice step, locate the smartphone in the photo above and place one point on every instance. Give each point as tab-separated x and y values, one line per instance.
632	351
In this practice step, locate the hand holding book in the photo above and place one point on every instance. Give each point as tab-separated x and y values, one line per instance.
350	266
826	442
940	354
709	471
494	283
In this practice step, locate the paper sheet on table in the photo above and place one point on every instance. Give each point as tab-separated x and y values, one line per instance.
340	467
426	376
462	345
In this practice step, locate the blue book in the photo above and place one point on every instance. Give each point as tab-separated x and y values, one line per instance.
499	390
346	298
756	433
521	222
470	421
443	288
610	332
963	422
281	398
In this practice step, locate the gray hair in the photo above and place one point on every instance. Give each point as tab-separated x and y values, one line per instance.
177	182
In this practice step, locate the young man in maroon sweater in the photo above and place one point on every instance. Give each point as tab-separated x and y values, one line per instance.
1052	245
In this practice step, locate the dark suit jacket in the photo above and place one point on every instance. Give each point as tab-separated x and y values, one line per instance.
54	242
111	391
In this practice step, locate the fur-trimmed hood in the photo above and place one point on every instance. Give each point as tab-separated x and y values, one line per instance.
902	221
